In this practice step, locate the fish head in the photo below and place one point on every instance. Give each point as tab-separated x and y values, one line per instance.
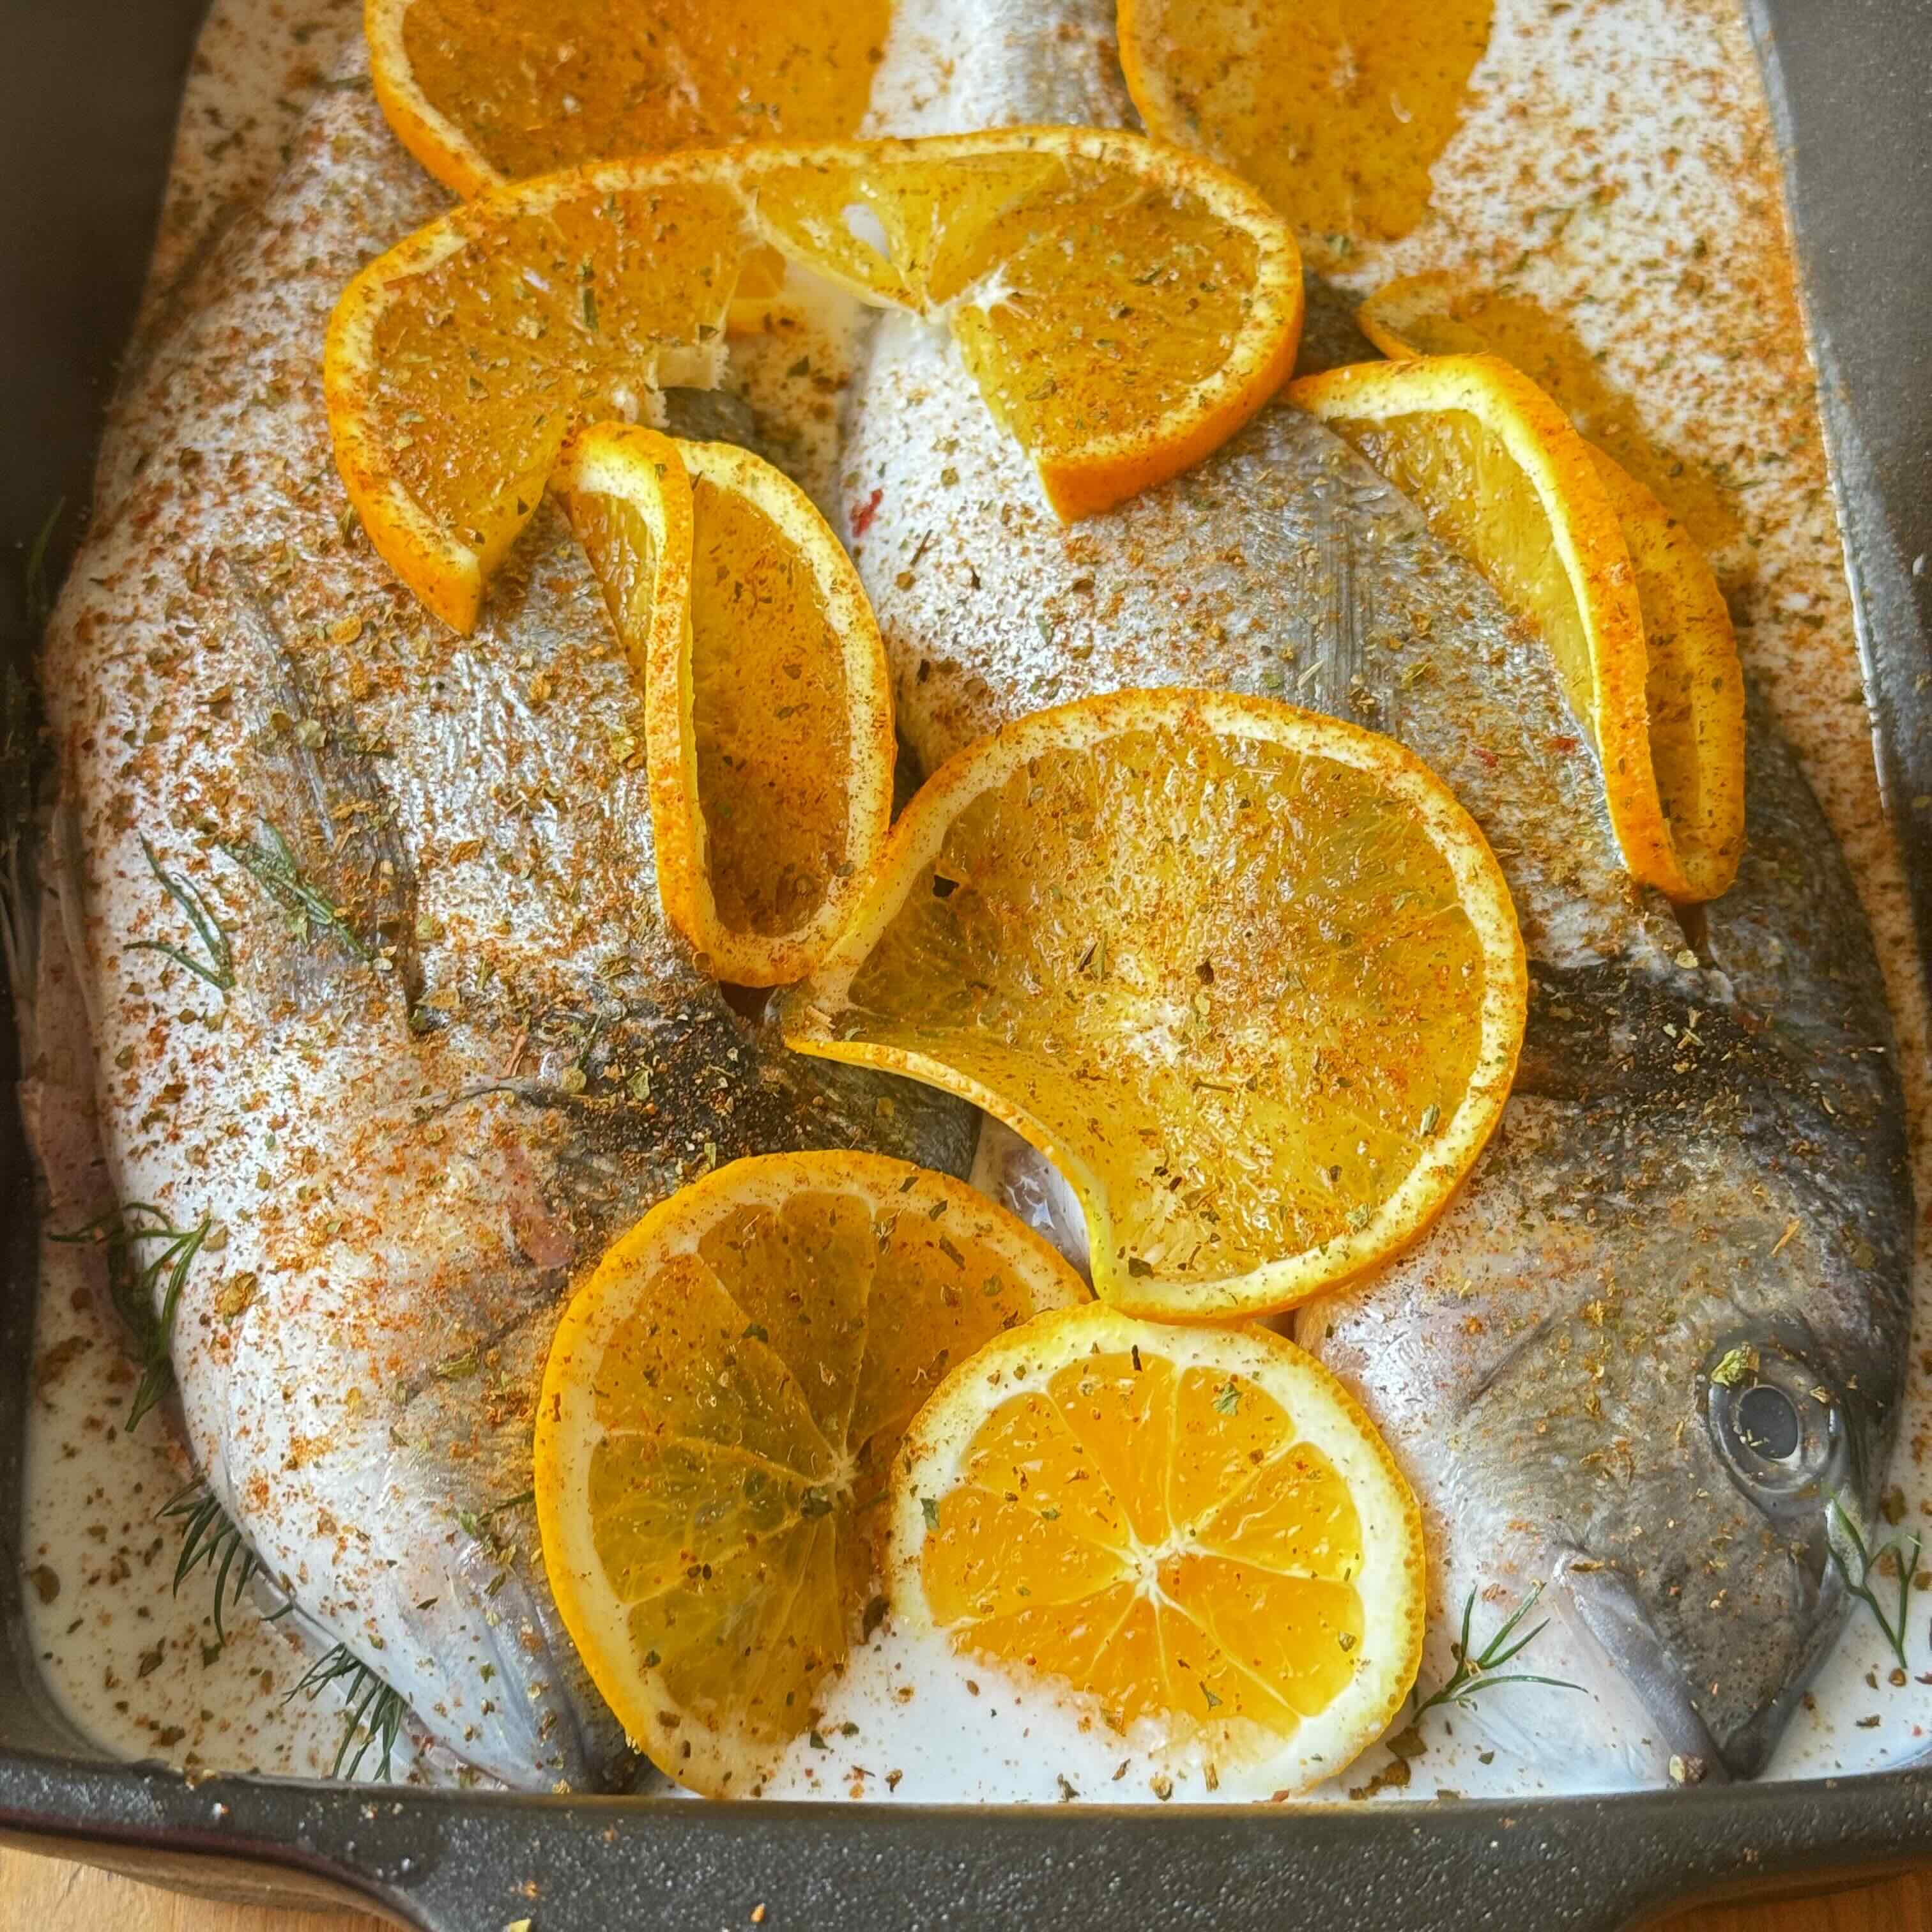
1700	1560
1674	1392
1641	1363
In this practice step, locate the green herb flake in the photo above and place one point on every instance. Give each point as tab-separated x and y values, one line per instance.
210	1539
217	968
132	1283
272	863
1736	1364
374	1711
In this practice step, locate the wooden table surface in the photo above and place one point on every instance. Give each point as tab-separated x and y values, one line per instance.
40	1894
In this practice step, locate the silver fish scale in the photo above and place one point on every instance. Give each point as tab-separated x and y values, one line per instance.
1699	1189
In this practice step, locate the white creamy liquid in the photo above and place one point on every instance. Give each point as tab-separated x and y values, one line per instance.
1615	164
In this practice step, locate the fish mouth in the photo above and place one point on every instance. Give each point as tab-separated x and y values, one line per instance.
1610	1612
1748	1750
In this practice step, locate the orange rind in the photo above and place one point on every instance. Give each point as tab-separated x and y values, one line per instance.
767	696
1632	617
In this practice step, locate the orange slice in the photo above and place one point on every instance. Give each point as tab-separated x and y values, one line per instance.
1441	314
1193	1535
1694	692
1123	308
768	699
1693	684
484	91
1501	476
720	1409
1335	111
1250	977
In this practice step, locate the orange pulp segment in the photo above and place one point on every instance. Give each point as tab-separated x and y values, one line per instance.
1193	1535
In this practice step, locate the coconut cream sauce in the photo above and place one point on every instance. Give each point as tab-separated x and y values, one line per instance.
1615	167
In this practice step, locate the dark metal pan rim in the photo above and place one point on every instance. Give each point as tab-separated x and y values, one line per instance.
446	1859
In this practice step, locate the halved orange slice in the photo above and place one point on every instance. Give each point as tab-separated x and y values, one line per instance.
1335	112
767	696
1123	308
1502	476
1438	312
484	91
1694	685
1694	692
720	1409
1193	1535
1250	977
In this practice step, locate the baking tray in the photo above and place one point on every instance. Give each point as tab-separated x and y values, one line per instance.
92	86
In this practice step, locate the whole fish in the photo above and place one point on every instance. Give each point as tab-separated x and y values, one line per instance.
1659	1337
380	993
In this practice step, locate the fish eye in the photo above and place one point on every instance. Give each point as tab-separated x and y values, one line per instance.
1777	1424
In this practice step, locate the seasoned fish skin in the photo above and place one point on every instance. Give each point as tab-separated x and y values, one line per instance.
1684	1191
1699	1187
461	1049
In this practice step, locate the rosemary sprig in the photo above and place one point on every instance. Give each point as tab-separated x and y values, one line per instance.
209	1538
219	969
1478	1672
275	868
38	595
1840	1530
373	1708
132	1280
